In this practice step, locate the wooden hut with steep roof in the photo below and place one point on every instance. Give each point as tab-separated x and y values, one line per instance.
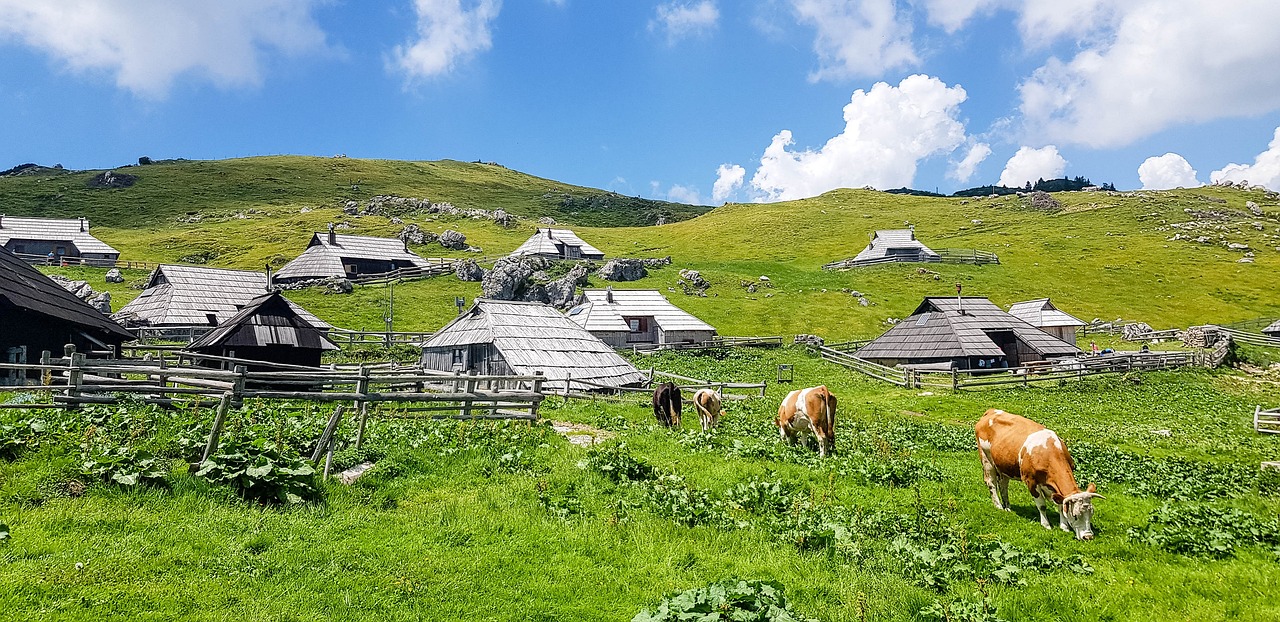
557	244
38	239
1041	314
268	329
184	296
963	333
349	256
627	317
500	337
37	314
895	245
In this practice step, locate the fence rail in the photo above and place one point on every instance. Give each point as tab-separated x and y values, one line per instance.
92	262
436	267
1266	421
718	342
970	256
1249	337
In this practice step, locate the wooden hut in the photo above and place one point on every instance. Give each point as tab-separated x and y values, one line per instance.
963	333
42	240
37	315
498	337
628	317
895	245
557	244
1273	330
348	256
267	329
1041	314
178	296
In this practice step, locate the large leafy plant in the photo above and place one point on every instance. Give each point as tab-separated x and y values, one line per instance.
125	466
733	599
260	470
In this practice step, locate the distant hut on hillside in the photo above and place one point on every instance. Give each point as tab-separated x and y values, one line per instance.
37	314
895	245
35	239
498	337
627	317
557	244
349	256
185	296
268	329
972	333
1041	314
1273	330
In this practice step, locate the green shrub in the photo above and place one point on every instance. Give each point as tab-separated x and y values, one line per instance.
19	437
260	471
961	611
613	461
125	466
1204	531
732	599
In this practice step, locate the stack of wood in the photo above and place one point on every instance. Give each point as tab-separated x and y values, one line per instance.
1200	337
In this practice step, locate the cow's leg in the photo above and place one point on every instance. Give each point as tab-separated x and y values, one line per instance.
1003	483
822	443
1039	497
992	477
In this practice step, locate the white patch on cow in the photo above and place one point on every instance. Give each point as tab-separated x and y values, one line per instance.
985	445
1041	438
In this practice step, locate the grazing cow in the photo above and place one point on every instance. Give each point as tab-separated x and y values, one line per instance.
666	404
707	403
1016	447
811	410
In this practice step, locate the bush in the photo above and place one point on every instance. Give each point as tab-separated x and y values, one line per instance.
1204	531
613	461
732	599
16	438
125	466
260	471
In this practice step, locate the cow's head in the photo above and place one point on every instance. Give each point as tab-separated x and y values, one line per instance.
1077	512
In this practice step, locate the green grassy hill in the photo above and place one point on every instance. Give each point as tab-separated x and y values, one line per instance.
1103	255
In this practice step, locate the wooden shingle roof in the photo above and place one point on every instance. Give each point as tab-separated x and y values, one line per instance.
268	320
887	239
74	230
600	314
24	287
937	329
551	242
1043	314
178	295
534	337
324	259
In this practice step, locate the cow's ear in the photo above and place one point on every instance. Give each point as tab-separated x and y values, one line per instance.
1057	497
1091	488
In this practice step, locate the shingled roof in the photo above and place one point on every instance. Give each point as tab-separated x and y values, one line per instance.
324	255
74	230
268	320
178	295
603	311
558	243
25	288
1041	313
889	242
534	337
938	330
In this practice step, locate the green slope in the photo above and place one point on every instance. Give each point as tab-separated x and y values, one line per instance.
1104	255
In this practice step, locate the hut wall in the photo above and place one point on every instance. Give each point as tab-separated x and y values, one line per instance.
684	336
287	355
645	330
43	247
614	339
38	333
482	358
355	267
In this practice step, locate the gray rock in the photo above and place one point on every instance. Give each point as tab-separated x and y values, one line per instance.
331	285
657	262
468	270
1042	200
509	278
809	340
413	234
1235	246
112	179
693	283
863	302
454	240
502	218
1253	208
546	220
351	208
101	302
114	276
623	270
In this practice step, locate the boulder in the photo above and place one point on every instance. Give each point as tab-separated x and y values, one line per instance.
101	302
657	262
351	208
623	270
809	340
1042	200
693	279
114	276
112	179
546	220
502	218
509	278
1135	330
413	234
1253	208
468	270
453	240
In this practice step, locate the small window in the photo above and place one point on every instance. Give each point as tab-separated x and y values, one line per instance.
62	250
634	324
212	319
457	356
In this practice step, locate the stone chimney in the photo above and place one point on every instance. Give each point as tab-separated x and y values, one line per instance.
333	237
84	224
608	294
548	233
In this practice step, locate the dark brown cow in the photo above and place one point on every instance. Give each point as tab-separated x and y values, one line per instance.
812	411
666	404
1011	446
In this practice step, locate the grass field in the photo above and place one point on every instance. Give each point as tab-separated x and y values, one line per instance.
484	521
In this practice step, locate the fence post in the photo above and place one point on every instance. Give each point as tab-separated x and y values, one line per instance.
218	419
471	389
237	389
163	378
362	388
568	380
537	388
955	380
46	374
75	375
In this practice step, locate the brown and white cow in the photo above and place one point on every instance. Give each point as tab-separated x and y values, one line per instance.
1011	446
812	411
666	404
707	403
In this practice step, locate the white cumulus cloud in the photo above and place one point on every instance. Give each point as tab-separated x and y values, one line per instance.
1030	165
1265	170
684	194
729	177
147	44
449	31
888	130
951	15
1147	65
857	37
1167	171
678	20
963	170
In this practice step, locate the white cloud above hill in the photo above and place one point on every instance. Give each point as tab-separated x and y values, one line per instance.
1166	172
963	170
449	31
147	44
679	20
888	130
729	178
857	37
1265	170
1030	165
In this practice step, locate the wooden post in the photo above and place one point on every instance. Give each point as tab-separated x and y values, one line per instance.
362	387
537	388
471	389
163	378
46	374
955	380
326	438
218	420
568	380
75	375
237	391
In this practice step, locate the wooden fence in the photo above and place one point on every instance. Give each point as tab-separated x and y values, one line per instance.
1266	421
710	344
1070	369
585	389
64	261
435	267
1248	337
970	256
340	336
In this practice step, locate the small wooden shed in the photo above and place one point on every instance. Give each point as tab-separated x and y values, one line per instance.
40	240
627	317
183	296
268	329
964	333
1273	330
557	244
896	245
1041	314
330	254
37	314
500	337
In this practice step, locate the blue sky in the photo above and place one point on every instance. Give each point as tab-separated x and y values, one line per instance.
690	100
